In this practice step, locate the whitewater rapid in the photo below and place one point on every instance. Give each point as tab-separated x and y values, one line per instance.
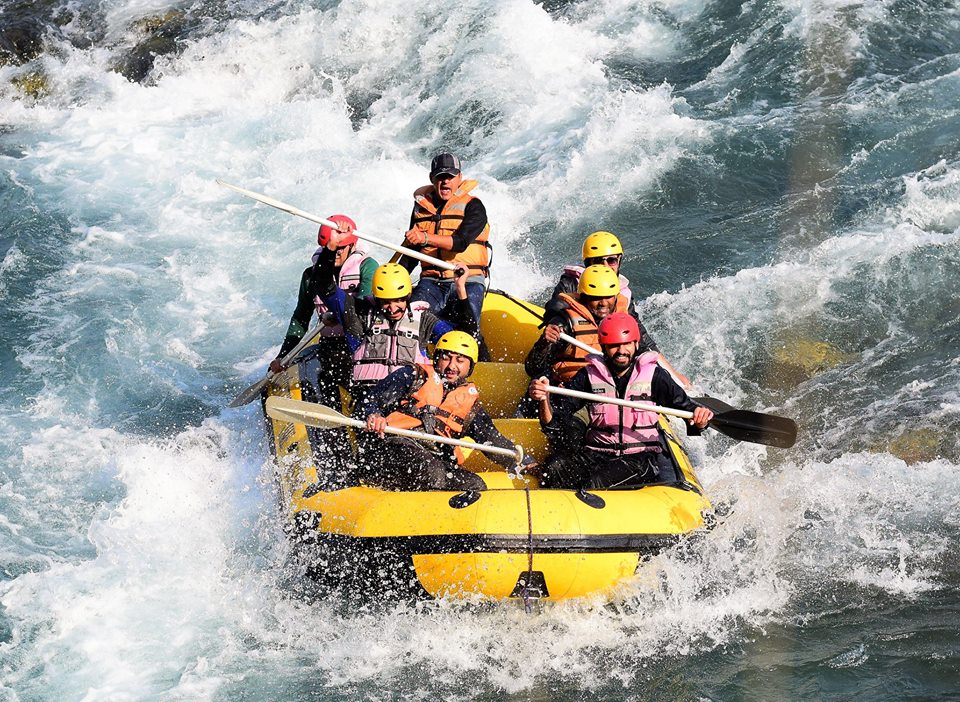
779	172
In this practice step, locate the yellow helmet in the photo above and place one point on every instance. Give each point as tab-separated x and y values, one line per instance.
601	244
459	342
391	281
599	280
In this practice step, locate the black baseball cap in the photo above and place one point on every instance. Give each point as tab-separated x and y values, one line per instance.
444	164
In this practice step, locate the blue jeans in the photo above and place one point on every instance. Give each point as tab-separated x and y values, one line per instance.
437	293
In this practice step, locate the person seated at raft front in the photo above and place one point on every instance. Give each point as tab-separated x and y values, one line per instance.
353	271
623	447
450	224
388	330
438	400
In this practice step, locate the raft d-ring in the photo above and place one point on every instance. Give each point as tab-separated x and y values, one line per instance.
464	499
591	500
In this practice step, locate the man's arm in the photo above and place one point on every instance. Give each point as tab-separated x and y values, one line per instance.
456	314
667	393
474	220
300	320
543	355
483	431
384	396
556	411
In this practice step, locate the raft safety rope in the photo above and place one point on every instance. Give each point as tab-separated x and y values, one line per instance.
528	600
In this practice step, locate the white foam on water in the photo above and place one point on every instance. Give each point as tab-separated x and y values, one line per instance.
167	584
127	623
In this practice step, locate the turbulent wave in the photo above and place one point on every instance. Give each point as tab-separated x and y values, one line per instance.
785	177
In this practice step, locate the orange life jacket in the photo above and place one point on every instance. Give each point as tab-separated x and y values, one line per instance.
437	410
427	219
583	328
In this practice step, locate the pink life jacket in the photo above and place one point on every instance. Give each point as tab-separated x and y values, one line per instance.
348	278
388	345
575	271
616	429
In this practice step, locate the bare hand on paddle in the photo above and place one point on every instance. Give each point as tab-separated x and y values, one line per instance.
701	417
415	237
376	423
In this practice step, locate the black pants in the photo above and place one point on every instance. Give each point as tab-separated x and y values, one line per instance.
593	470
398	463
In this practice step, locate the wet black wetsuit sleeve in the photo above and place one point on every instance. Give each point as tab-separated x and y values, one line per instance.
483	431
387	393
543	355
302	313
667	393
558	431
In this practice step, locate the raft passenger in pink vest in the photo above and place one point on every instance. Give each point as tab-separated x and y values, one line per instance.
353	272
622	447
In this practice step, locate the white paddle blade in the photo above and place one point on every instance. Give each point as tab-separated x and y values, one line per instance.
285	409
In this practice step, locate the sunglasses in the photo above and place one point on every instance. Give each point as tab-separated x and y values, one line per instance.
609	260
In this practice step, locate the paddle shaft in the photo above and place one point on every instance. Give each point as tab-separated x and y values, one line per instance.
742	425
253	391
313	414
590	397
296	211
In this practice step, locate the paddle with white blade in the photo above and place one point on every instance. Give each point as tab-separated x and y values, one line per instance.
742	425
253	392
296	211
323	417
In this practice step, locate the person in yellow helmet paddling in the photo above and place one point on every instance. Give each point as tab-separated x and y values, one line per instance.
598	248
434	400
598	295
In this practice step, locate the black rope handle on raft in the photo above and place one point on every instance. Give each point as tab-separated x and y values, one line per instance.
527	600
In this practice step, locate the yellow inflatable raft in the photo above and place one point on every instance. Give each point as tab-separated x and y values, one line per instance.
511	540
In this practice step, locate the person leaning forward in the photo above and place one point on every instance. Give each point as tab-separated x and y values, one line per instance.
438	400
623	447
388	330
353	271
450	224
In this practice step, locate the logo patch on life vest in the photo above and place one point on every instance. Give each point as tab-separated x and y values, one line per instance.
472	390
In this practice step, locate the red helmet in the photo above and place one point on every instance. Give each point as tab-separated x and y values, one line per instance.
618	328
323	236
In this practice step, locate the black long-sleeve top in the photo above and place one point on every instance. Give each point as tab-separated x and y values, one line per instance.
387	394
664	391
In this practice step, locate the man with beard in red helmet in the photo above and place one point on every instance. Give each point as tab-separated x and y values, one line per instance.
623	447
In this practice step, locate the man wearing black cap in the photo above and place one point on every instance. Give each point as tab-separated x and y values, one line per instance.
450	224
